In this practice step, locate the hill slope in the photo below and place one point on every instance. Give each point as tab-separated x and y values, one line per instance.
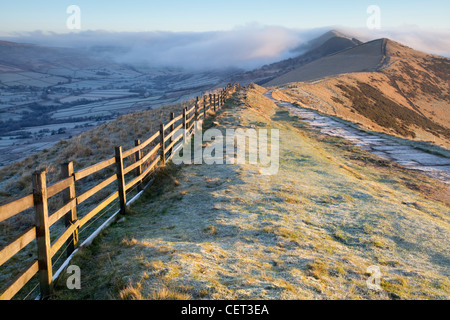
363	57
33	58
407	95
308	232
319	41
327	44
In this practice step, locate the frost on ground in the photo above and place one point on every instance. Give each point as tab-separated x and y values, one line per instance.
309	232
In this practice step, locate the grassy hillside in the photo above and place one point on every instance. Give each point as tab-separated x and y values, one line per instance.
372	104
407	95
309	232
84	150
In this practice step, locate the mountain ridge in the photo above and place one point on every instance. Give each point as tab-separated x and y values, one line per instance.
354	59
402	91
329	43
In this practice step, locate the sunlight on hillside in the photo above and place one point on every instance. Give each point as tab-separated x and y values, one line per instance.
309	232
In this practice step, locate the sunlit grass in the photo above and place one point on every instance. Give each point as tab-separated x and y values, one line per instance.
309	232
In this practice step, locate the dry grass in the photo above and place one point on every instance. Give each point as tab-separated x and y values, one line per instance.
131	292
134	292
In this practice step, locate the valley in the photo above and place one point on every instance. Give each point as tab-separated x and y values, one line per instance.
46	97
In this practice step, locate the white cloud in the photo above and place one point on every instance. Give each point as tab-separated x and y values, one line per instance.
244	47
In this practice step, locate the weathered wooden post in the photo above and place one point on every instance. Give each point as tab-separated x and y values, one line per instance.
138	157
210	101
43	233
215	103
172	129
163	144
68	196
184	126
121	180
196	109
204	108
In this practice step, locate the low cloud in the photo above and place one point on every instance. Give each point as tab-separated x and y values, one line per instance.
241	48
246	47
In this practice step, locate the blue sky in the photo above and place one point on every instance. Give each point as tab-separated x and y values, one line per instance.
203	15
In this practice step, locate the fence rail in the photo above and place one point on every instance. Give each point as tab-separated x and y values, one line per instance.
143	165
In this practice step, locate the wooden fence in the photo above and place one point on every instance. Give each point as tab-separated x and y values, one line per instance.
143	165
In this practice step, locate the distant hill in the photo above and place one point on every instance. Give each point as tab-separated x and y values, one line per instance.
327	44
383	85
319	41
28	57
363	57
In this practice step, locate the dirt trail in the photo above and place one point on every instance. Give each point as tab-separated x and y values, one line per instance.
308	232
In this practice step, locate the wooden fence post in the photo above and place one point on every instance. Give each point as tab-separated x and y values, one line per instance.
172	126
210	101
172	129
71	216
137	157
42	233
196	109
204	108
215	103
184	126
163	144
121	180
